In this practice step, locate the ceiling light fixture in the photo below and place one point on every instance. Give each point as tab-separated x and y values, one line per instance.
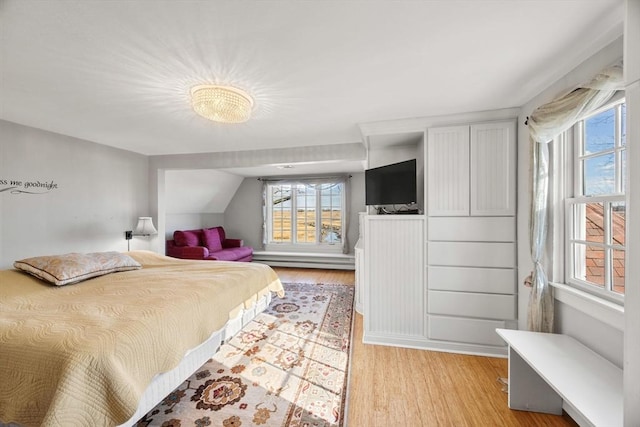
223	104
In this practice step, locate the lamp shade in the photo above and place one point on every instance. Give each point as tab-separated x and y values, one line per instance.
145	227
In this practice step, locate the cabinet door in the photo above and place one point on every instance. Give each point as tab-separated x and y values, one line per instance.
448	171
493	169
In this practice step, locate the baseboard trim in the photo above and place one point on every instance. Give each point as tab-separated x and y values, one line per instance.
306	260
433	345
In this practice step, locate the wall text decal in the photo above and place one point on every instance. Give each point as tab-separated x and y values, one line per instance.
15	186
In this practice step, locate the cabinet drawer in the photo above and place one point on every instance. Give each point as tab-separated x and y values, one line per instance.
466	279
473	229
473	331
472	254
486	306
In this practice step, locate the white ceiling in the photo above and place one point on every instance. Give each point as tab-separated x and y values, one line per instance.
300	169
119	72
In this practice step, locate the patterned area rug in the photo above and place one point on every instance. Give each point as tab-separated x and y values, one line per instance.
288	367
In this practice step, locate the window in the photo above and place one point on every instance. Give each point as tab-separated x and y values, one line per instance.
305	215
595	227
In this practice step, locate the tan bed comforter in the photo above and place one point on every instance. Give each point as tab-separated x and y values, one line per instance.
83	354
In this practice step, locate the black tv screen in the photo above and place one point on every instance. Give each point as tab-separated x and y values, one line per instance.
391	184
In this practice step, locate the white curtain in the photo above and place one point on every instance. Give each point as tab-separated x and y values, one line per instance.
264	214
346	186
545	123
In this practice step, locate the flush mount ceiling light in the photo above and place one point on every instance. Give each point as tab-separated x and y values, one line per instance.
223	104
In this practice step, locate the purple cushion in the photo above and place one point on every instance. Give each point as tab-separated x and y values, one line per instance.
211	239
187	238
222	234
233	254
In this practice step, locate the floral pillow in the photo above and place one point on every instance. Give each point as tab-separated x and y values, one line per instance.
75	267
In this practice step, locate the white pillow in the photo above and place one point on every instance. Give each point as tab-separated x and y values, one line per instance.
75	267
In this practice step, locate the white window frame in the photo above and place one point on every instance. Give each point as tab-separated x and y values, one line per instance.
295	246
567	188
575	262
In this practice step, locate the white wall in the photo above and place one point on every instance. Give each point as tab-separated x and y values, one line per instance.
385	155
100	193
632	297
601	337
381	156
197	198
190	221
243	217
356	191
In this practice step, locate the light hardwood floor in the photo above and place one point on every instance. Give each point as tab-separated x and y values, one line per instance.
392	386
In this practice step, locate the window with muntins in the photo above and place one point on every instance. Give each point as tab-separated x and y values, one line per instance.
596	214
309	215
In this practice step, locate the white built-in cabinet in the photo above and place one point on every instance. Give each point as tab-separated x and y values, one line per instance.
446	280
471	170
471	237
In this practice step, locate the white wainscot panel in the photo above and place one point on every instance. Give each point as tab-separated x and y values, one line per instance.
394	258
486	306
472	254
473	331
473	229
469	279
359	297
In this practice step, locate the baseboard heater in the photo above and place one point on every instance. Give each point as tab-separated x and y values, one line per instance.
305	260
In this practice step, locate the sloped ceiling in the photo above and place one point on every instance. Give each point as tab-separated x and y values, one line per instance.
199	191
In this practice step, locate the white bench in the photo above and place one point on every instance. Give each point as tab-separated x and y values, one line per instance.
546	370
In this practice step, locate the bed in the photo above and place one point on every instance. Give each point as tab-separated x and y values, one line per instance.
104	351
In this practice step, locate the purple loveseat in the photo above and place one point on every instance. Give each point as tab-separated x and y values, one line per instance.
209	244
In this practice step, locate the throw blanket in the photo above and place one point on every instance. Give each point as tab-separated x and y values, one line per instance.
82	354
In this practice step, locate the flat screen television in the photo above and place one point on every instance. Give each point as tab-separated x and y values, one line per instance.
391	184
